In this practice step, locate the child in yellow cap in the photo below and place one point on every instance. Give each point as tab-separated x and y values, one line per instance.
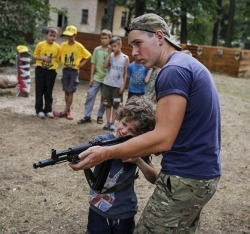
73	56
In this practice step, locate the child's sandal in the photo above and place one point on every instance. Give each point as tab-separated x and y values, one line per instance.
99	120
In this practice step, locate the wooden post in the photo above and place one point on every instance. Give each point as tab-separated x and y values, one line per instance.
23	68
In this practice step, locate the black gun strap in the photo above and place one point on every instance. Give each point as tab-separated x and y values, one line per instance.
102	175
121	185
97	182
89	176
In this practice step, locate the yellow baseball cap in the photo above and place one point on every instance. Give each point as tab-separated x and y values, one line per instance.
22	49
70	30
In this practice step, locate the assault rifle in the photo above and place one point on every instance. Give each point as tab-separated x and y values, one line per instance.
96	182
71	154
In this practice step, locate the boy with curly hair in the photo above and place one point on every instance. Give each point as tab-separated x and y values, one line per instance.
113	212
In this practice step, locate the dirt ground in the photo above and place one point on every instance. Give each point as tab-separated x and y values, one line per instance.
54	199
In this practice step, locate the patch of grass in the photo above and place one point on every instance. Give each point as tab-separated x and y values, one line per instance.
238	87
5	93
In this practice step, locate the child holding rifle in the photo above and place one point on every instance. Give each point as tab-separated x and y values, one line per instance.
114	212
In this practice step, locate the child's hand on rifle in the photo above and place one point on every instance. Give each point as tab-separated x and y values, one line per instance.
131	160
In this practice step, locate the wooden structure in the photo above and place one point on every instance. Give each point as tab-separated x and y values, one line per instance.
233	62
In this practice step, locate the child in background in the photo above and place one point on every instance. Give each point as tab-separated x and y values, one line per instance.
97	75
150	91
46	55
113	212
138	77
115	81
73	56
187	52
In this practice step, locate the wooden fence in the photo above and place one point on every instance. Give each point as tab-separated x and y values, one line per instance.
233	62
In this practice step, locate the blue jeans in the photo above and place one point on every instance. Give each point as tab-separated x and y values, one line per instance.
97	224
90	100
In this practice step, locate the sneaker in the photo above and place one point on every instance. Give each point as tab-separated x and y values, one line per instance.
50	115
69	116
59	114
41	115
112	127
86	119
106	126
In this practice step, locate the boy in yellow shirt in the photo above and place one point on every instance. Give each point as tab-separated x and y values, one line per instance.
73	56
46	55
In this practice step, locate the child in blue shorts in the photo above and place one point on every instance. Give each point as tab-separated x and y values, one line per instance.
73	56
115	80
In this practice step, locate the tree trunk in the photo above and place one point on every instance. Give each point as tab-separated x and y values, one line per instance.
107	20
183	38
140	6
216	28
229	35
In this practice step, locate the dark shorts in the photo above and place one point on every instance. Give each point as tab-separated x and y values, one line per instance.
70	80
130	94
99	224
111	96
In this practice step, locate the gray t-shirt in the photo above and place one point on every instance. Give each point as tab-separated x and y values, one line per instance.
114	76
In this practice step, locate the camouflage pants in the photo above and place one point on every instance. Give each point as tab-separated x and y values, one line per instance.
175	205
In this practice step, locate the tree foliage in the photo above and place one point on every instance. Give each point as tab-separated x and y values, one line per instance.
202	21
192	21
107	19
217	23
235	31
18	23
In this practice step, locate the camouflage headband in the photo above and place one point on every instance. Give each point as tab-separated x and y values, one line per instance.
150	23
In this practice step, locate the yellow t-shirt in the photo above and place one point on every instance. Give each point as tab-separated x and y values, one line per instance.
71	55
45	49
